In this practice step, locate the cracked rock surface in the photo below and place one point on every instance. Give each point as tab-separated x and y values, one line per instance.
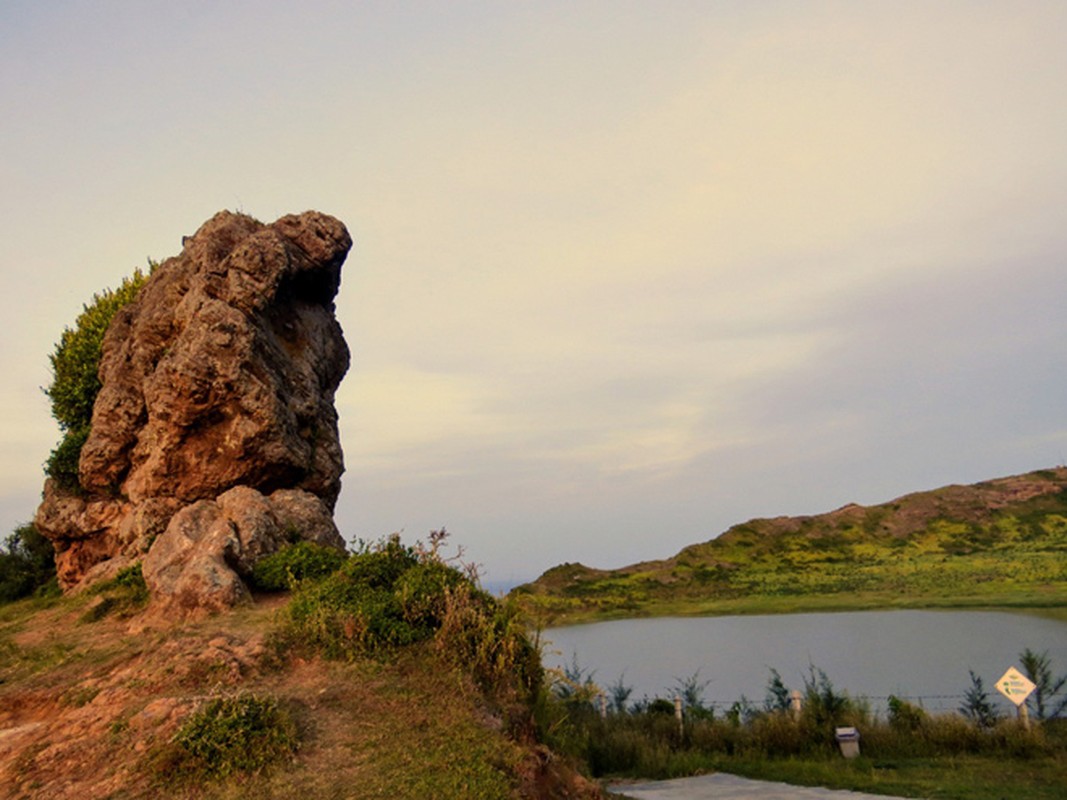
214	436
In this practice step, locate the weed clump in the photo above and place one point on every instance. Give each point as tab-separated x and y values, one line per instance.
239	733
905	716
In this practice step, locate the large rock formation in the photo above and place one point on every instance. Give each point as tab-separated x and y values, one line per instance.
214	436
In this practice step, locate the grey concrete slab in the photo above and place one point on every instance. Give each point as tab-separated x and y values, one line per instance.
721	786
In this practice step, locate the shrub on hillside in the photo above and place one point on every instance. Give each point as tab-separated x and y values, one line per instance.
27	564
390	595
358	608
488	637
385	596
297	562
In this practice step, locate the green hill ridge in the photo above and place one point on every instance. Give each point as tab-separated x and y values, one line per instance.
1000	542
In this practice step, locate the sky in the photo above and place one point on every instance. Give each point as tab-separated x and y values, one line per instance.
624	274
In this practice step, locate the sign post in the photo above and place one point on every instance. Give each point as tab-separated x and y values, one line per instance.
1017	687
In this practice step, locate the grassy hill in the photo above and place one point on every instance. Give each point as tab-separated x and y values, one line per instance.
100	698
998	543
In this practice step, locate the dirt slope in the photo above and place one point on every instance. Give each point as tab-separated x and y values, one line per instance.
88	710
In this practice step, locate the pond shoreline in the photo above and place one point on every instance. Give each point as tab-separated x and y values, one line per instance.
1051	608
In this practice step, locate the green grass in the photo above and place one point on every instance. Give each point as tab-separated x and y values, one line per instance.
406	728
435	749
122	596
966	777
551	611
19	660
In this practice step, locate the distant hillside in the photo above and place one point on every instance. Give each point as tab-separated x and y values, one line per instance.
1002	542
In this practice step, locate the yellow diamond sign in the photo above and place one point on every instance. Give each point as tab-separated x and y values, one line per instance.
1015	686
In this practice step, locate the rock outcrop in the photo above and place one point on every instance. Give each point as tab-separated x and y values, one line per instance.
214	436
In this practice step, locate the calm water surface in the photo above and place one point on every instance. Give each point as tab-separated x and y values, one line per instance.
915	654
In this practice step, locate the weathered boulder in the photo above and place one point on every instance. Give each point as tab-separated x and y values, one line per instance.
215	419
198	563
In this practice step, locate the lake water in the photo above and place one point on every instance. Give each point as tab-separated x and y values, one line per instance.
923	655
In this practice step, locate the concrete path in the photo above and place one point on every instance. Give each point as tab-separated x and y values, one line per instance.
721	786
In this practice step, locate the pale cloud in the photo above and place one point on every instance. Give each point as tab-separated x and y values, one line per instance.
395	412
635	409
663	441
616	269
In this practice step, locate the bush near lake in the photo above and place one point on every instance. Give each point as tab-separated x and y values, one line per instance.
390	595
294	563
1049	698
646	740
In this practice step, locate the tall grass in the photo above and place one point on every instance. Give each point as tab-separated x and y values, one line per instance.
647	741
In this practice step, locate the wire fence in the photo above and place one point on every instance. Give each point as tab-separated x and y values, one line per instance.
879	704
934	703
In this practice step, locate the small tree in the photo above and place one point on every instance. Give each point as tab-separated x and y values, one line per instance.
574	685
1038	668
977	706
619	693
777	698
